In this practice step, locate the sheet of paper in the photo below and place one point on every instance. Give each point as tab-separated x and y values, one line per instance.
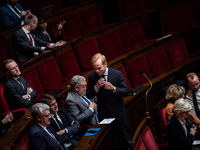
107	121
196	142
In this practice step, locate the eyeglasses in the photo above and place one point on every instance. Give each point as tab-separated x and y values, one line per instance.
46	115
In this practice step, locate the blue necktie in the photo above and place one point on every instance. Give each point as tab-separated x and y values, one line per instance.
88	102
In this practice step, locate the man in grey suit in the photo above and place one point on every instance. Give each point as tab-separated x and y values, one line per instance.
25	45
80	107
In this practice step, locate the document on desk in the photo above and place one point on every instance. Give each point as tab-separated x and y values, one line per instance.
107	121
196	142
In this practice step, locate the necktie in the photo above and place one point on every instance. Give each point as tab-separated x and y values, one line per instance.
20	82
196	107
58	122
31	40
88	102
16	10
52	135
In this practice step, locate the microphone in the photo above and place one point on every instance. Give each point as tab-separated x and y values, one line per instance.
143	74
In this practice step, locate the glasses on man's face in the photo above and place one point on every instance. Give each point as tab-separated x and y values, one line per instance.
47	115
84	86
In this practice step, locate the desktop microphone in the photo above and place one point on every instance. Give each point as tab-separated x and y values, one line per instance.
143	74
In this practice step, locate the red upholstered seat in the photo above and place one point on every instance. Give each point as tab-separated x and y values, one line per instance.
4	105
164	121
110	45
73	26
68	65
122	69
158	62
24	143
133	66
176	52
49	75
33	80
149	140
91	19
84	52
141	146
176	19
132	36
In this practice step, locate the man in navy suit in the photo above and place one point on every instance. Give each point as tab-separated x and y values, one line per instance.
18	93
41	135
62	122
25	45
109	85
12	14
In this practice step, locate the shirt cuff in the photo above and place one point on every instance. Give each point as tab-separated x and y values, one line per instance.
66	131
91	109
96	89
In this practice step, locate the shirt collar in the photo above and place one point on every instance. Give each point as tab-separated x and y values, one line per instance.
26	31
106	72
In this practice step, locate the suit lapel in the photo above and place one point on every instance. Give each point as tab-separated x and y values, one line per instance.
14	82
24	36
77	98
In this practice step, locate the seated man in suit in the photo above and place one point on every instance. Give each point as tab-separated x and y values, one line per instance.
62	122
79	108
18	93
25	45
5	119
12	14
41	135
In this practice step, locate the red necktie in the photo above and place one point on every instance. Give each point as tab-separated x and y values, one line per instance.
31	40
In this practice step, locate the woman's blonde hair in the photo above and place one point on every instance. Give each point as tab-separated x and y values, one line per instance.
174	92
181	105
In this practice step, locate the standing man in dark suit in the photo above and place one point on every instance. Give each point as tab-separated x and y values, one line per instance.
109	85
25	45
18	93
62	122
41	135
12	14
77	105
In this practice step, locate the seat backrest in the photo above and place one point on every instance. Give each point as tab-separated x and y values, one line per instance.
122	69
176	52
157	61
149	140
4	105
133	66
110	45
33	80
91	19
176	19
84	53
68	65
24	144
132	36
73	26
164	121
49	75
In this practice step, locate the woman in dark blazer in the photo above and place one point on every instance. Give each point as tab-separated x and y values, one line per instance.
179	130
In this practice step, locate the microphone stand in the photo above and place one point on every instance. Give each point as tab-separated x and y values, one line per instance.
147	112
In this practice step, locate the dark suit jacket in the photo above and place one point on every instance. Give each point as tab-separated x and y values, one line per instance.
109	102
8	18
13	92
39	139
44	37
79	109
176	135
66	119
23	49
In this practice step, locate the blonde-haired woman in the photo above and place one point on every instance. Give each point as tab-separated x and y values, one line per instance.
179	130
173	93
